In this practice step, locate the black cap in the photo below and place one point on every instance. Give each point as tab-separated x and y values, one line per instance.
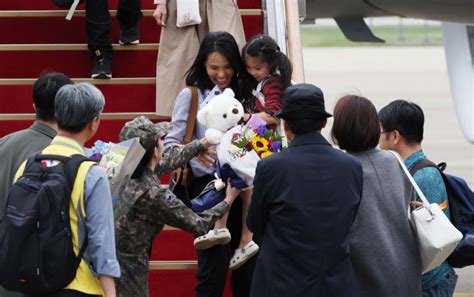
303	101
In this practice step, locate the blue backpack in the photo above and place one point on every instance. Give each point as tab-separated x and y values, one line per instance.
461	208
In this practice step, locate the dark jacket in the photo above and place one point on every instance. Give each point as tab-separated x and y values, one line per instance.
15	148
303	205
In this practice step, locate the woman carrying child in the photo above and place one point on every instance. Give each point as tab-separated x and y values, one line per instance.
268	75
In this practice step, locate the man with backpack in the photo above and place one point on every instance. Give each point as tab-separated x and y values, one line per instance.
16	147
60	241
401	124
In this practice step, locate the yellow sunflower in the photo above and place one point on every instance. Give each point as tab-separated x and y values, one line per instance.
259	144
265	154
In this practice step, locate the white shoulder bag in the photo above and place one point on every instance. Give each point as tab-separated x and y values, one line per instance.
437	237
187	13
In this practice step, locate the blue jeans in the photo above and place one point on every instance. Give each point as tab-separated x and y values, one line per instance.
443	289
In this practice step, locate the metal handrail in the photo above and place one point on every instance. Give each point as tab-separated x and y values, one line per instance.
295	52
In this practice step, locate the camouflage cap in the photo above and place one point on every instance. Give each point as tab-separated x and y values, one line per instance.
146	130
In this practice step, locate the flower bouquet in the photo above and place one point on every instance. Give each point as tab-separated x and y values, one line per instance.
243	146
238	153
119	160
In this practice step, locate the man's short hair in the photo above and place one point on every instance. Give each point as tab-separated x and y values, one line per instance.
356	126
44	92
405	117
303	126
77	105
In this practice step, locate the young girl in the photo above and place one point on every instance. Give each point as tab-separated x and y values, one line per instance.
268	75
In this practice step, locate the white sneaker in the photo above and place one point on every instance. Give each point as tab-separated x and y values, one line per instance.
212	238
243	255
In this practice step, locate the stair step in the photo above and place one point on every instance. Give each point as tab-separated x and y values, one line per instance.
113	4
172	265
97	82
118	98
105	116
172	283
73	31
82	13
174	245
74	47
177	283
75	63
109	128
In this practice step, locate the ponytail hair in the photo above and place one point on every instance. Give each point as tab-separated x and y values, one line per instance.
265	48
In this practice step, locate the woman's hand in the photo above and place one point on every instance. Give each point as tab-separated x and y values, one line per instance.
161	14
230	193
206	158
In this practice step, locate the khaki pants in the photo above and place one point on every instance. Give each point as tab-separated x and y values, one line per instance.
179	46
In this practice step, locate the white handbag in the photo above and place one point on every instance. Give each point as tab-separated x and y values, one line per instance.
437	237
187	13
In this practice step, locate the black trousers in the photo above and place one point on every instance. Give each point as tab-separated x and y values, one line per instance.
213	263
98	21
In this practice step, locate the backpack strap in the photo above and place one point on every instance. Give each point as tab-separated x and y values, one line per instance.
192	114
422	164
71	167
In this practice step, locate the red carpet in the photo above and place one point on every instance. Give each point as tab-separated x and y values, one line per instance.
127	63
56	30
136	98
113	4
15	97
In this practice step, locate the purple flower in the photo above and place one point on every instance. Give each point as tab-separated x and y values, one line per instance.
96	157
261	130
276	146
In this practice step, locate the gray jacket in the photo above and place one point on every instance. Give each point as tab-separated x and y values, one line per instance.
15	148
383	247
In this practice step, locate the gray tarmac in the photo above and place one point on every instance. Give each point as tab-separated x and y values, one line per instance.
384	74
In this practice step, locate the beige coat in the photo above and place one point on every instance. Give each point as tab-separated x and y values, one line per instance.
179	46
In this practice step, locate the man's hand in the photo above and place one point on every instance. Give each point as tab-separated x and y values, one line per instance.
161	14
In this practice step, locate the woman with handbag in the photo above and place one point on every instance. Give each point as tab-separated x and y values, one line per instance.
144	206
383	246
218	66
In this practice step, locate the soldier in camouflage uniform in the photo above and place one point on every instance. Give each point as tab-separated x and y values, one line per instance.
144	206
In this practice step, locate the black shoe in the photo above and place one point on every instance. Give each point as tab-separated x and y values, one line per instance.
129	36
102	65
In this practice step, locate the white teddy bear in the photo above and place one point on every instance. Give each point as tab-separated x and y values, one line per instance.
220	114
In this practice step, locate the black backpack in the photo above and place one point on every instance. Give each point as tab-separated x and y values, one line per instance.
36	247
461	209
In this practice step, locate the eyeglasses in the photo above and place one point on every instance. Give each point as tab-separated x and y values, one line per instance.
382	132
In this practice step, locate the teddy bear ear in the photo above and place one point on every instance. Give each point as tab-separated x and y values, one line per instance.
229	92
202	116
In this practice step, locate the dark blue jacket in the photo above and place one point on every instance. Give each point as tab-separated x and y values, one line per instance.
303	205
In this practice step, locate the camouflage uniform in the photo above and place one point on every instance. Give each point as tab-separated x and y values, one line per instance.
144	207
